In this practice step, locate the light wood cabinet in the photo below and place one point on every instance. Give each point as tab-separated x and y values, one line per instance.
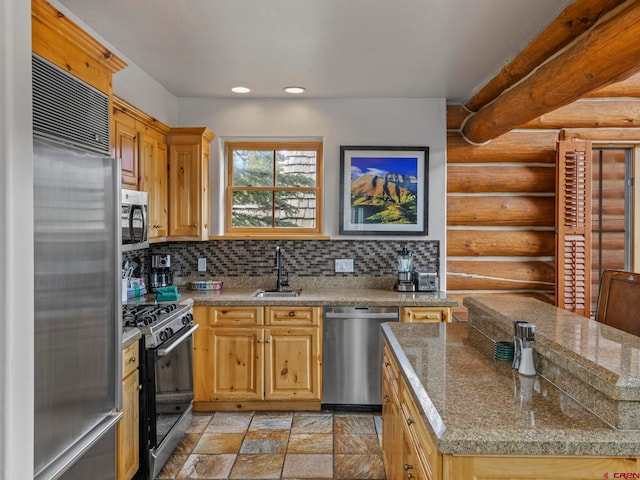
189	152
140	141
425	314
126	148
154	180
259	354
128	427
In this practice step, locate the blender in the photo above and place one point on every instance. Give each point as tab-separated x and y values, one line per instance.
405	267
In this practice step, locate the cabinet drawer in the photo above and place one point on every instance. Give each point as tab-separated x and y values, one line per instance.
130	359
236	316
426	314
389	368
425	448
292	315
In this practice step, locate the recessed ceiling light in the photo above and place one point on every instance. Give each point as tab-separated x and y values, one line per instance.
295	89
240	90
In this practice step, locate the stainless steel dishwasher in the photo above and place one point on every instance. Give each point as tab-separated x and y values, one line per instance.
352	356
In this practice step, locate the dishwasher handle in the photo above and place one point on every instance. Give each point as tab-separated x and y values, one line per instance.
361	314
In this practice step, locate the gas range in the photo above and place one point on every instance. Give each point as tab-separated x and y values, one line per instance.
157	322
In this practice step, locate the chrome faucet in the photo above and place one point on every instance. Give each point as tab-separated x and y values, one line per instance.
281	283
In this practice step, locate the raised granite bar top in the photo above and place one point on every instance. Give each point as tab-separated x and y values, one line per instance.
476	405
595	363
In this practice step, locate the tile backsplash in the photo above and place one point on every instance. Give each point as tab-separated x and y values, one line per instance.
303	258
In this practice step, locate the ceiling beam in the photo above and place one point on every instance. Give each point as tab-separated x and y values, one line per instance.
572	22
607	53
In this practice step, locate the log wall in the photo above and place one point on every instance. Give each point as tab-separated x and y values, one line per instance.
501	196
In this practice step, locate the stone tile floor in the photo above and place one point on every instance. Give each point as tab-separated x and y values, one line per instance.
275	445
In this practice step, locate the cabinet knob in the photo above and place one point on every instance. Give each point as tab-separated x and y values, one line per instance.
409	421
410	476
259	340
292	314
132	359
268	340
194	225
408	466
139	387
386	363
386	398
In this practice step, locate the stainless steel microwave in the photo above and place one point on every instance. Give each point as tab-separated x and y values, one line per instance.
133	220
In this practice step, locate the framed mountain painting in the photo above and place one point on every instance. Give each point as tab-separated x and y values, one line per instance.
384	190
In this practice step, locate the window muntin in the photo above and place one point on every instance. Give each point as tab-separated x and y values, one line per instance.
274	187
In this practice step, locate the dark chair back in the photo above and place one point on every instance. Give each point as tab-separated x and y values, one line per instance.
619	300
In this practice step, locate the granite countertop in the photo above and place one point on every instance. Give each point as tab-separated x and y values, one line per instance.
476	405
130	335
322	297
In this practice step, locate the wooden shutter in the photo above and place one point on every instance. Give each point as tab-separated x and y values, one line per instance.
573	226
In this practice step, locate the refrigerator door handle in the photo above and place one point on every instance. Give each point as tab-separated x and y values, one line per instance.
60	465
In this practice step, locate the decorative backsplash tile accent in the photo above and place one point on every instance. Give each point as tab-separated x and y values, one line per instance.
312	258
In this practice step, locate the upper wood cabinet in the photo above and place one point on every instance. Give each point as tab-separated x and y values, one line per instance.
189	152
125	147
140	143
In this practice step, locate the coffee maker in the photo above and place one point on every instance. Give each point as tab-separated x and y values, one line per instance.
405	267
160	274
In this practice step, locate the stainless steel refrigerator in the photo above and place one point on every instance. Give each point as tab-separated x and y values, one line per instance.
77	298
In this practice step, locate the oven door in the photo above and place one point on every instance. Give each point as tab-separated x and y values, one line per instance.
170	399
173	372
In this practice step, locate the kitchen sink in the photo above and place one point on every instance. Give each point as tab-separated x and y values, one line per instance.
276	294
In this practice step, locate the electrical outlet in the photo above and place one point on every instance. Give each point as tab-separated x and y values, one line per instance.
202	264
344	265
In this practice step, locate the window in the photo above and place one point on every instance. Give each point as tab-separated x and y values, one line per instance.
274	188
612	213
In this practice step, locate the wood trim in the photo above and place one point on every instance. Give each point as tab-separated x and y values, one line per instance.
59	40
608	52
572	22
240	405
125	107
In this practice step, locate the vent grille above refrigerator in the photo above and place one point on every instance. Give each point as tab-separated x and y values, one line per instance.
68	109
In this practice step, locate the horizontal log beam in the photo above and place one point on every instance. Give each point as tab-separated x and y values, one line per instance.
609	52
500	243
493	275
609	113
525	211
572	22
518	147
629	88
629	135
502	179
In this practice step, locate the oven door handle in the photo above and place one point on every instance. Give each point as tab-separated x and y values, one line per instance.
174	342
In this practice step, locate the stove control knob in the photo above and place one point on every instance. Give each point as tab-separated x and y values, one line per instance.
187	319
169	331
163	335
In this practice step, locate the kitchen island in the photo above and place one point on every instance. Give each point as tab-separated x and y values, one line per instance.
465	415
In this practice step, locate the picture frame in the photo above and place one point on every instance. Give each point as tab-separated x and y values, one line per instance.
384	190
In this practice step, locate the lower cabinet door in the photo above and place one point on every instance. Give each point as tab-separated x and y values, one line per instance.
237	363
292	363
128	428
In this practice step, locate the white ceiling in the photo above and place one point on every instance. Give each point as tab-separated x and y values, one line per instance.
334	48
